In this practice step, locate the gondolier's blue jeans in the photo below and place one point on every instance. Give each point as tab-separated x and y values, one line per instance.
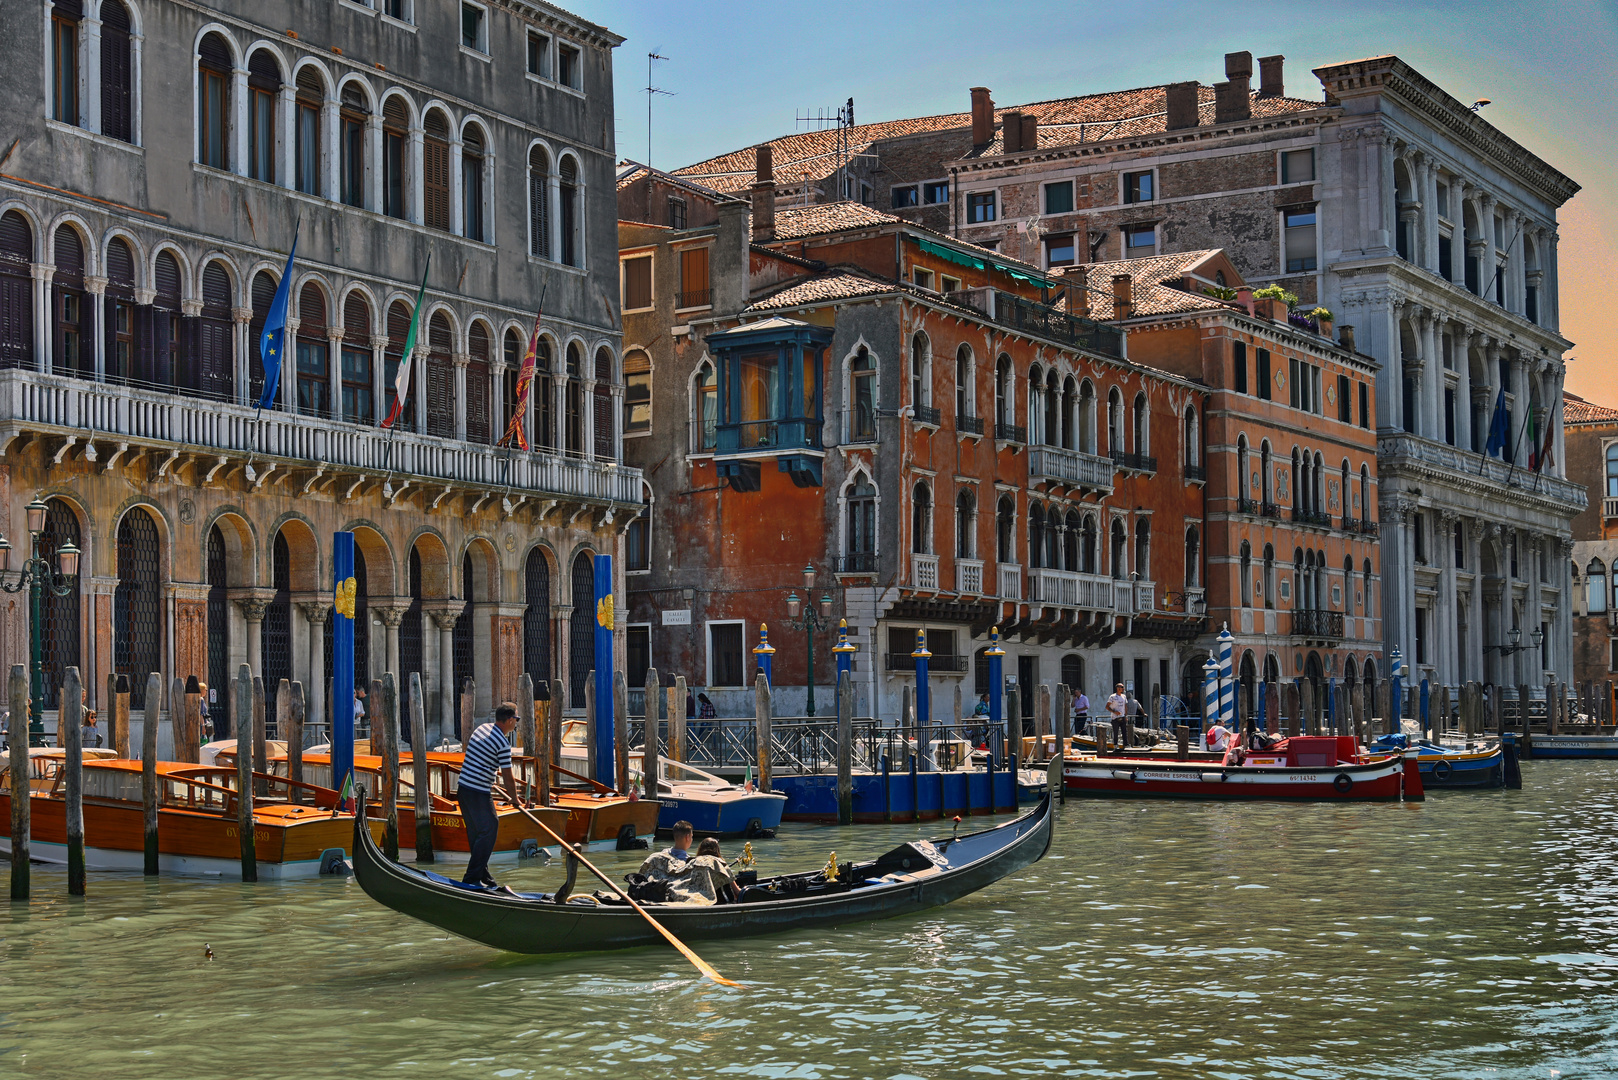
477	811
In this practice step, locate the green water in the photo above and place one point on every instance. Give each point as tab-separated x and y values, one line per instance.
1469	936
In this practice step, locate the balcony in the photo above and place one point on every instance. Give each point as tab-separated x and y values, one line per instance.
1247	506
1008	580
1070	467
1010	433
861	562
218	438
1317	518
1360	526
1317	624
784	424
969	576
1195	474
1123	459
1045	321
924	572
1067	588
939	662
1145	596
926	414
1270	510
1409	455
969	425
1609	508
695	298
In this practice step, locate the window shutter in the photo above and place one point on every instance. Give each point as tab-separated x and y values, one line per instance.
539	196
477	385
116	95
440	380
120	265
69	258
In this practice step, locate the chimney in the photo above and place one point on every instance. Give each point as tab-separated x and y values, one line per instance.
1030	132
763	195
1183	105
1269	77
1011	132
1123	296
1231	100
1244	297
982	116
1345	337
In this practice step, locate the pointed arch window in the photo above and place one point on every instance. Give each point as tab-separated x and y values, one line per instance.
435	172
1193	567
512	352
1245	582
1120	550
1036	536
638	537
573	404
1596	575
921	520
1143	547
602	405
218	616
119	311
637	391
1087	546
862	395
472	161
1269	576
859	536
1005	530
16	291
706	420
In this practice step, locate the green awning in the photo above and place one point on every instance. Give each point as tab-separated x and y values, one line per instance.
1020	276
950	254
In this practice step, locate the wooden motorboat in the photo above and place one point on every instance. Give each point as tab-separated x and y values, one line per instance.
1539	745
1326	768
598	816
197	826
911	877
713	805
1479	766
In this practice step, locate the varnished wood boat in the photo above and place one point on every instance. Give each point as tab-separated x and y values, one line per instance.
197	830
911	877
1302	768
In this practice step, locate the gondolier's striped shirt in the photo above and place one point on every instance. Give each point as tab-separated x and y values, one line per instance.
487	752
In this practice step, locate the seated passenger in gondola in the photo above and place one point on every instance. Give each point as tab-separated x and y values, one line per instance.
705	879
666	865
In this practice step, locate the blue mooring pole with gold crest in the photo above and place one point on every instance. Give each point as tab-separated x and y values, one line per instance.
341	707
606	757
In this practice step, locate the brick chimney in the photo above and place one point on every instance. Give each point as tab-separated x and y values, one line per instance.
1231	97
982	117
1269	77
763	194
1183	105
1345	337
1030	132
1011	132
1123	296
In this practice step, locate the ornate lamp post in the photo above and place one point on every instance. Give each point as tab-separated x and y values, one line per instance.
811	620
38	575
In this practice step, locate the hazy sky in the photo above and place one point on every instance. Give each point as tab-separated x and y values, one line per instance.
742	72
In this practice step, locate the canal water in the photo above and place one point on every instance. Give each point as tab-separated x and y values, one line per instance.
1470	936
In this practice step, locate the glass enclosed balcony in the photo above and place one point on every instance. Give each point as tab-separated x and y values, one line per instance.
770	400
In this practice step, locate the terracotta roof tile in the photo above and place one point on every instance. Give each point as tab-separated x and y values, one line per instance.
802	221
1149	295
838	284
1576	410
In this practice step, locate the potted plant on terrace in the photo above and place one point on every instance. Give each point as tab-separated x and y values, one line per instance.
1322	318
1273	302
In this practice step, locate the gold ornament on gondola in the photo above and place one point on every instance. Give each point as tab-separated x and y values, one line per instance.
831	868
748	859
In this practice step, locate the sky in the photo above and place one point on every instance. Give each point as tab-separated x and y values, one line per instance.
740	73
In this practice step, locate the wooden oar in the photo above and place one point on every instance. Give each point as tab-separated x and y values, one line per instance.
700	964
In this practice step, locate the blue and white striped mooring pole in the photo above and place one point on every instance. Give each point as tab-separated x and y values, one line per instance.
1227	686
1210	692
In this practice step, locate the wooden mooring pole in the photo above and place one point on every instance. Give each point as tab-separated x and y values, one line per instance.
620	732
385	731
148	768
677	719
294	737
118	710
283	721
248	706
20	804
845	749
192	750
418	759
653	742
542	748
527	732
69	718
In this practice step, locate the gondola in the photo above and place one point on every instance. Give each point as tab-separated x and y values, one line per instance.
912	877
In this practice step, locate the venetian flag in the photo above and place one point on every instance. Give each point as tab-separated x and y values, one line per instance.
525	377
401	381
272	340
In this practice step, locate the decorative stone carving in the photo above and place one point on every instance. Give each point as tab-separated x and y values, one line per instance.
252	608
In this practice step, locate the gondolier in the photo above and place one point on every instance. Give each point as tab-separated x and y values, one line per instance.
488	751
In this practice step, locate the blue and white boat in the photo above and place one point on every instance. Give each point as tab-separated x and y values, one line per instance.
1565	746
1481	766
713	805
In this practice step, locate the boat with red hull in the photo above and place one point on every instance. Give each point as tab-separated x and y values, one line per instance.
1302	768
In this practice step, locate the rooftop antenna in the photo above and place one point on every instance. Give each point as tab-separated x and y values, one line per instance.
651	92
842	118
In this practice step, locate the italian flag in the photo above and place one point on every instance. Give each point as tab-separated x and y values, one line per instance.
401	381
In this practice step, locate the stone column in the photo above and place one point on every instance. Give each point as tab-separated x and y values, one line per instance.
253	609
1460	339
1429	215
588	405
379	375
1389	202
390	618
445	618
90	81
1448	655
286	127
334	362
1562	656
457	220
331	158
246	349
1432	377
96	287
317	612
415	189
373	162
238	121
288	390
561	659
461	360
42	274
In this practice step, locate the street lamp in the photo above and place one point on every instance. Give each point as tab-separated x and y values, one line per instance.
1514	636
37	575
802	614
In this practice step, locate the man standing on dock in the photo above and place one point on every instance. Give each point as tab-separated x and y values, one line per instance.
487	751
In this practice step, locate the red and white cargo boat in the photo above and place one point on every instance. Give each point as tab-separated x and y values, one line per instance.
1299	768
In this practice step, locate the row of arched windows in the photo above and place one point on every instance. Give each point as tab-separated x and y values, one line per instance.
1309	480
1310	581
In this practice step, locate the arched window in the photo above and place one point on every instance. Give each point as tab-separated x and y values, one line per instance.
16	291
435	171
309	103
478	384
1612	471
214	67
539	203
1318	477
1369	609
1365	493
66	16
1036	536
395	157
1245	583
859	534
921	382
1070	398
637	391
73	347
1087	547
410	628
1005	529
1193	562
314	354
1004	411
168	341
358	394
1036	404
1193	438
1087	417
536	619
1243	491
1143	428
1265	475
1297	579
398	330
581	631
862	396
1143	547
1596	573
440	377
352	116
705	401
275	636
568	211
137	605
511	350
1053	540
1348	584
1115	421
965	394
117	73
263	92
1300	479
638	537
966	516
61	626
1053	407
603	405
212	369
1269	576
1072	533
472	165
921	520
574	403
1073	671
119	311
1120	545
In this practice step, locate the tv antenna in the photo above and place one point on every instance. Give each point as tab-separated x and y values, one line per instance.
842	119
651	92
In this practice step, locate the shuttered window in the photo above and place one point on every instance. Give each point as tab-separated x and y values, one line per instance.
398	330
263	296
638	282
16	291
440	379
306	154
435	173
603	405
263	89
314	354
170	330
568	211
73	352
117	96
477	385
214	371
119	311
65	16
358	395
395	140
539	204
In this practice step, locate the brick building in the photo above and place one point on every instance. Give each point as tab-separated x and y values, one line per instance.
919	420
1591	435
164	153
1289	463
1378	195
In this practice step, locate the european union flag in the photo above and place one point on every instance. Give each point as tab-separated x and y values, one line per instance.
1497	427
272	342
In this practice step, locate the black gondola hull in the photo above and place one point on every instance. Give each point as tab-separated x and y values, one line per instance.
524	925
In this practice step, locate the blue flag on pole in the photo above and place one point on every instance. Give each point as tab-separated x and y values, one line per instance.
272	341
1497	427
